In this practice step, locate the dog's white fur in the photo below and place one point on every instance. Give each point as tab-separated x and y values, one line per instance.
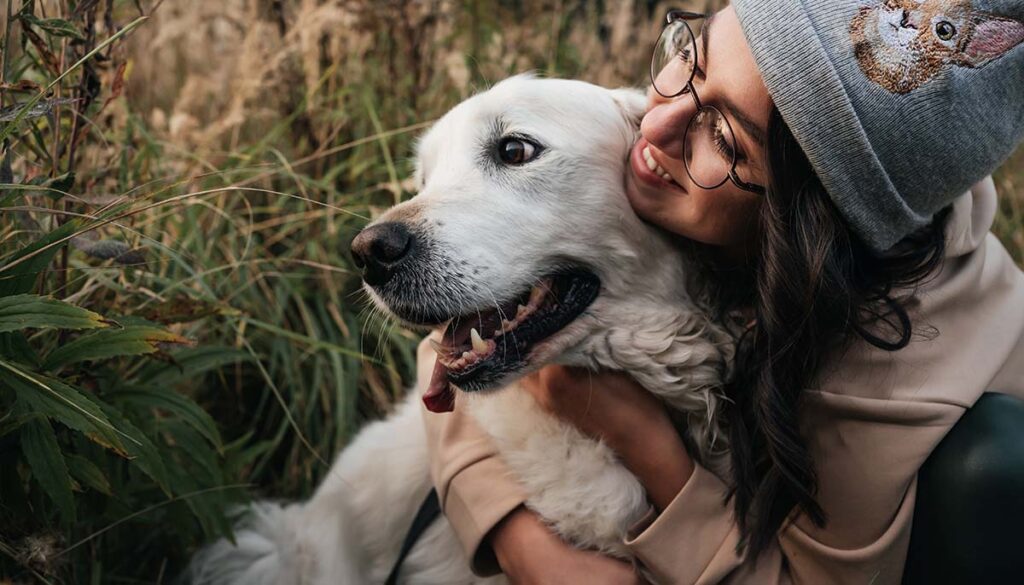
495	230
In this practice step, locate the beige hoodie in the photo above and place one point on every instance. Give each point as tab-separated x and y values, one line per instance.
870	424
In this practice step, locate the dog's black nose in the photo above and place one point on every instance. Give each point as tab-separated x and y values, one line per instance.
379	249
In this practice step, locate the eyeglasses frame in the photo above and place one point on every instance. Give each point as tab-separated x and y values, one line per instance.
683	16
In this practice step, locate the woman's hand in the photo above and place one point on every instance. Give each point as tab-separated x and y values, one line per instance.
529	553
613	407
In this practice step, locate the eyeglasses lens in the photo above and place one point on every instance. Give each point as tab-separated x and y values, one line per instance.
673	59
710	148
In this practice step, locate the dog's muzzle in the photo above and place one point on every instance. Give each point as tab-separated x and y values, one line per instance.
485	342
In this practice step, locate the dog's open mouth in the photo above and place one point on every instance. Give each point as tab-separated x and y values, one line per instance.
479	349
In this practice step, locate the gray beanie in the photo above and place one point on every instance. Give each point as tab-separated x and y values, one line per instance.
900	105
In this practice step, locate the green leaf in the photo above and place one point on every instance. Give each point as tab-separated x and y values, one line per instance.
59	186
190	363
54	26
36	312
132	340
13	421
171	401
18	271
6	177
28	8
141	450
54	399
39	444
15	347
86	472
196	450
207	507
7	198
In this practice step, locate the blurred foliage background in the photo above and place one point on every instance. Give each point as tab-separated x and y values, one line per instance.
180	324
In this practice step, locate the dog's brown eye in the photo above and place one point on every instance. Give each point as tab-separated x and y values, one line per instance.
516	151
945	30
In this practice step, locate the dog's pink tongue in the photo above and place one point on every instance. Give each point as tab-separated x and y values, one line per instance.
439	396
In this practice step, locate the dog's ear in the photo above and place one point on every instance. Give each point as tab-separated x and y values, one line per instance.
632	102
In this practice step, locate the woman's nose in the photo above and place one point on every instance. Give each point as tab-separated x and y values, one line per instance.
664	124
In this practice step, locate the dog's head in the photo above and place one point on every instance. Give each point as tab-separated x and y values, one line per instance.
519	226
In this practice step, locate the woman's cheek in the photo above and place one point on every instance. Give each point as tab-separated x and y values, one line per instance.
663	213
696	216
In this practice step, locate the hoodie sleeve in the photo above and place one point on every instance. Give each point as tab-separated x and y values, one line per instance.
473	485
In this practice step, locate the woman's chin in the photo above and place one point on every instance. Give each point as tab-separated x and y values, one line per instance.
650	209
649	203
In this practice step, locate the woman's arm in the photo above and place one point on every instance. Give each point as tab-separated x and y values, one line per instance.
530	553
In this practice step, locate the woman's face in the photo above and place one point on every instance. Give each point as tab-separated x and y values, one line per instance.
727	78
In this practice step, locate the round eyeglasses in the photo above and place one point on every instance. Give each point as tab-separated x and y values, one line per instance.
709	145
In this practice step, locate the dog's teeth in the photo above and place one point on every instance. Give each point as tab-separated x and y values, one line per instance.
479	345
437	347
536	295
506	325
520	311
466	355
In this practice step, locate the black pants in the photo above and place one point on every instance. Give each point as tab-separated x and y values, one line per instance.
969	517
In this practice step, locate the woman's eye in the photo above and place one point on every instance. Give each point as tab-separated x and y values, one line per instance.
686	55
723	144
516	151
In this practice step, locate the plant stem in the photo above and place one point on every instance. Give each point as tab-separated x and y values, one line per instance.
7	43
3	67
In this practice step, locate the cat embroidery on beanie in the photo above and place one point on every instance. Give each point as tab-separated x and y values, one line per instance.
901	44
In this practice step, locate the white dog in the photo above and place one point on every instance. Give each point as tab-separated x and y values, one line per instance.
521	238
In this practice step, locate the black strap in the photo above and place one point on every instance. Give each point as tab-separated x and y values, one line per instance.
429	510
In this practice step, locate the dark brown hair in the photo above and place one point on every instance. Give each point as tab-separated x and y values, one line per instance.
814	287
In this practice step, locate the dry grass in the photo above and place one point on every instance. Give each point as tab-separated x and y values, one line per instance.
211	77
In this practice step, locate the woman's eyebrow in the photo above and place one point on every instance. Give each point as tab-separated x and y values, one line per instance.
749	126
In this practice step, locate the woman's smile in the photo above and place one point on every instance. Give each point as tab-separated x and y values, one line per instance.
652	167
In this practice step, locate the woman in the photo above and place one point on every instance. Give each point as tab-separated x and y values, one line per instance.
823	152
